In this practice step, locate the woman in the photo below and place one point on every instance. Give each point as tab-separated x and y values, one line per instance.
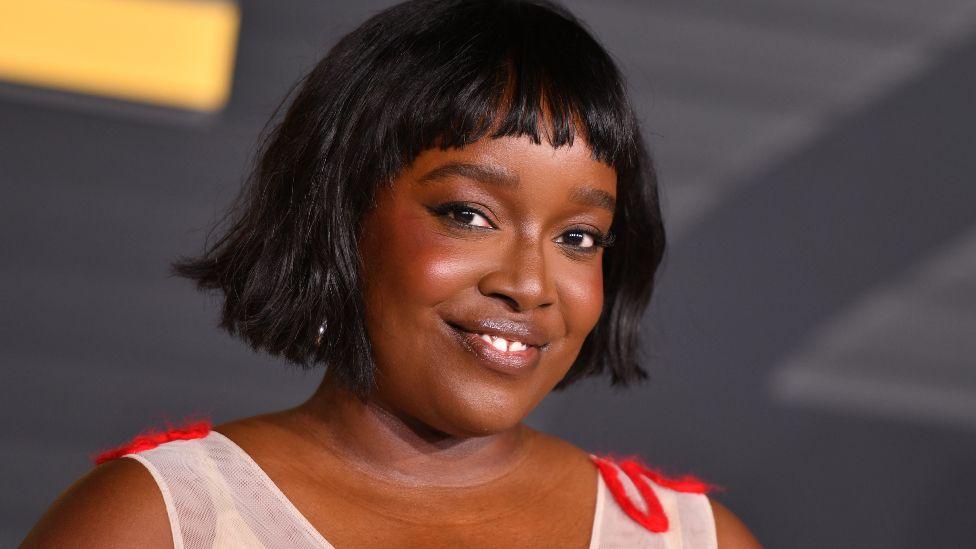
456	215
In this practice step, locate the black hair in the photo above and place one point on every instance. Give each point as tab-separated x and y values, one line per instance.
419	75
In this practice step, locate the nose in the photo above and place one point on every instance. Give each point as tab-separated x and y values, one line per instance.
520	277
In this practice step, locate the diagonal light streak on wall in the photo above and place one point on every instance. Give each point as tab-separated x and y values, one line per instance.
906	349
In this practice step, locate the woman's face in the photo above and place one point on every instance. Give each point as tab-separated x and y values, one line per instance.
482	273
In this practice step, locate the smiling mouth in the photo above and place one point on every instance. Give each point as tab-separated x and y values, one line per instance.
502	344
508	356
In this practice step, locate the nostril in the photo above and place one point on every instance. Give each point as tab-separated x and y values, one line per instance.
508	300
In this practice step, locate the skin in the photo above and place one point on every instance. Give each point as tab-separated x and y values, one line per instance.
438	456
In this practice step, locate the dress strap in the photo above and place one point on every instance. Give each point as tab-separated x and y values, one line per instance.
152	438
217	496
671	512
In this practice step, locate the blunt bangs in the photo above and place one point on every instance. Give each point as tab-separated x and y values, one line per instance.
498	68
420	75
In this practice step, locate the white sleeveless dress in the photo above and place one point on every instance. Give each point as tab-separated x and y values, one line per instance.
216	496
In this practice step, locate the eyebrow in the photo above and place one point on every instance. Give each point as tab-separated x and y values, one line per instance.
586	196
598	198
479	172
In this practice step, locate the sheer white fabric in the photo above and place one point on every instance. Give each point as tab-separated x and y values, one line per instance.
691	524
216	496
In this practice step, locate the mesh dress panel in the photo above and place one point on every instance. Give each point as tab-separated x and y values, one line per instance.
216	496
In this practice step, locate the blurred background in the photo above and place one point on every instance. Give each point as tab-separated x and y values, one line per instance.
813	339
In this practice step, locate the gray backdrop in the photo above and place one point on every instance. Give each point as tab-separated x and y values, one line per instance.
811	343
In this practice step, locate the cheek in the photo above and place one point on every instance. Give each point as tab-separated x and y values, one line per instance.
581	292
419	266
409	268
443	268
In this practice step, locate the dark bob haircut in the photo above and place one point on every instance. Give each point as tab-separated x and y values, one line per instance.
420	75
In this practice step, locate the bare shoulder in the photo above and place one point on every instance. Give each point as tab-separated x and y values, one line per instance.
554	451
731	532
116	504
551	444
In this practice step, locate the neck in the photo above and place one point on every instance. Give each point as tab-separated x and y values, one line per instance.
372	438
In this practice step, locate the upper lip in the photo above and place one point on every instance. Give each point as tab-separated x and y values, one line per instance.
529	333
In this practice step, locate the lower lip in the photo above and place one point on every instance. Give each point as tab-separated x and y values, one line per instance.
507	362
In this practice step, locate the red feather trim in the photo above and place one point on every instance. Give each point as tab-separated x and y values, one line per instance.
653	518
151	438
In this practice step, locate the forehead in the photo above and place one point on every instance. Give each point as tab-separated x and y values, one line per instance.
519	164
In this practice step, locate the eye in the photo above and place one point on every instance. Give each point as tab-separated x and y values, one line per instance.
585	240
470	217
463	215
579	239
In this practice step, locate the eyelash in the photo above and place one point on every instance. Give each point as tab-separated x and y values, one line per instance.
600	240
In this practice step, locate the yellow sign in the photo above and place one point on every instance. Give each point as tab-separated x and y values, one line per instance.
176	53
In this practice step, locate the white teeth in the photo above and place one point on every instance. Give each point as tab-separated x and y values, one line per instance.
503	344
500	344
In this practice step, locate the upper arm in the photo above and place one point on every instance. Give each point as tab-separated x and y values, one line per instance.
116	504
730	531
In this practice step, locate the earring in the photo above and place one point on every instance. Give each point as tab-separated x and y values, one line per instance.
318	338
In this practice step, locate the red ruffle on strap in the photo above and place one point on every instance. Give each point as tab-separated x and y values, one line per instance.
151	438
653	518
